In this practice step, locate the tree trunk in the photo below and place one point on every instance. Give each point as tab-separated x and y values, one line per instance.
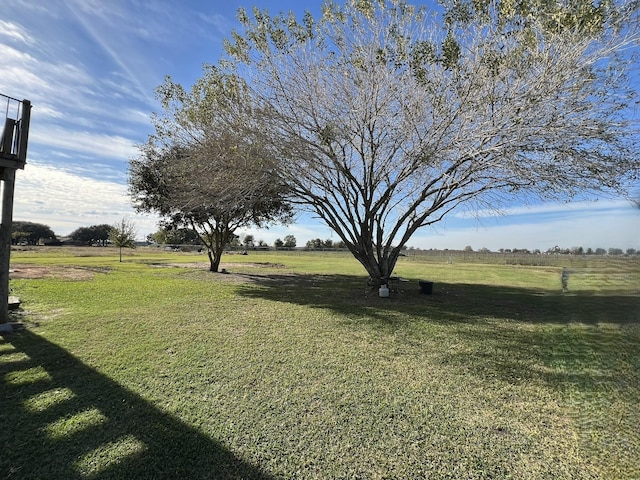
215	236
378	268
214	259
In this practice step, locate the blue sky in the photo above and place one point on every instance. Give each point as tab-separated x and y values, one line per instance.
90	68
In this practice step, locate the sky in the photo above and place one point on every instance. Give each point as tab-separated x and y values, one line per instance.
90	69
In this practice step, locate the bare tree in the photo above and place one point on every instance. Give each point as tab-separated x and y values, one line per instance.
387	117
200	172
123	235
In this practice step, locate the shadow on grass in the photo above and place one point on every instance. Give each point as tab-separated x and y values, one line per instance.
588	340
62	419
449	302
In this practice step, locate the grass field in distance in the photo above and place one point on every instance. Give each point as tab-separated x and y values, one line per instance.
287	367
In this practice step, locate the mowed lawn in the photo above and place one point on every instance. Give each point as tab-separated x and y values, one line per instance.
287	367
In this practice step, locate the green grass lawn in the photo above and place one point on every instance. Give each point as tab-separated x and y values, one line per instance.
289	368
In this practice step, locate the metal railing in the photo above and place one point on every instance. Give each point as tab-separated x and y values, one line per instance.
15	131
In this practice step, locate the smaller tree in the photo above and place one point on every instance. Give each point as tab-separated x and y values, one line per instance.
248	240
235	240
314	243
201	171
290	241
278	243
123	235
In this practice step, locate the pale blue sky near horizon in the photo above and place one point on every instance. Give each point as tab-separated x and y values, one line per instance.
90	69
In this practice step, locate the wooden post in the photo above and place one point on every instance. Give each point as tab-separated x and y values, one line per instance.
13	155
9	177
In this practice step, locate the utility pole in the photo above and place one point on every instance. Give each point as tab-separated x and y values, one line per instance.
13	156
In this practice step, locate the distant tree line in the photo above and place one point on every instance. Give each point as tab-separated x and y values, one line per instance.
319	244
591	251
32	233
553	251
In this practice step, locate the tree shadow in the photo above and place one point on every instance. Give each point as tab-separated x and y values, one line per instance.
450	302
588	340
44	386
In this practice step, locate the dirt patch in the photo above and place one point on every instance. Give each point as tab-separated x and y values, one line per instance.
69	273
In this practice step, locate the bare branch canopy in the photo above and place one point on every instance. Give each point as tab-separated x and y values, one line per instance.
382	117
386	117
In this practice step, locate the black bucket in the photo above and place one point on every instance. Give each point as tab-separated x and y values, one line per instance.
426	287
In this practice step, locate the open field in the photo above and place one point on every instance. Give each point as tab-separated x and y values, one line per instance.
288	368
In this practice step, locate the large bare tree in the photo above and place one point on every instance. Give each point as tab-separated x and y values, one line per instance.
386	117
198	170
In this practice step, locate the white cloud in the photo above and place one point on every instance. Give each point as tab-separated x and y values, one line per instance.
15	32
52	88
107	44
546	208
66	201
88	143
29	7
64	89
